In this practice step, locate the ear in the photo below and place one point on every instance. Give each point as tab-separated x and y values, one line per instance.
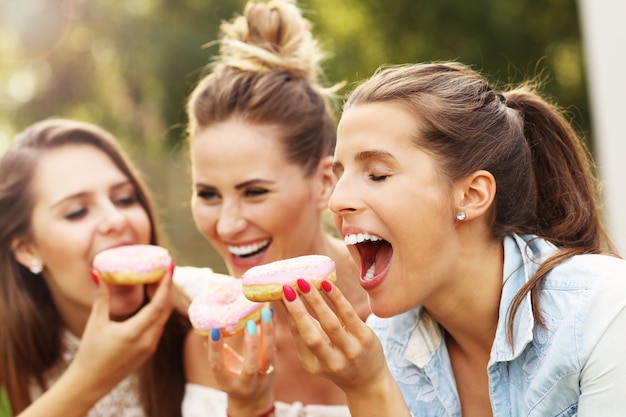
24	252
475	194
326	181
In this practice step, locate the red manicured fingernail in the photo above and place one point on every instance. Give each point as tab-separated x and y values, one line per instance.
304	286
290	293
327	286
172	266
94	276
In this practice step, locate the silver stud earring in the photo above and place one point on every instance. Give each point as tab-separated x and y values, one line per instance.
460	216
36	268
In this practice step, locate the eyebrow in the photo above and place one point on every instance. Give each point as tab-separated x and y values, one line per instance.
373	154
241	184
366	156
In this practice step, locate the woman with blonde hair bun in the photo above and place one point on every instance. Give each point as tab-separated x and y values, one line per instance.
262	135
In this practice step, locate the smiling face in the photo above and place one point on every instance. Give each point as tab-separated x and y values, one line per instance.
248	201
393	208
83	204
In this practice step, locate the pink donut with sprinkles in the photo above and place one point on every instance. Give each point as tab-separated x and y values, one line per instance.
132	264
222	305
265	282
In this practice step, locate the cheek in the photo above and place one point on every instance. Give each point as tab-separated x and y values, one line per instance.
204	217
141	225
296	222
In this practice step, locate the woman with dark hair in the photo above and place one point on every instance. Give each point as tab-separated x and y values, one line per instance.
69	347
494	287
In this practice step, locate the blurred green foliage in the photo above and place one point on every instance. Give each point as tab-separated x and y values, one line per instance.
129	65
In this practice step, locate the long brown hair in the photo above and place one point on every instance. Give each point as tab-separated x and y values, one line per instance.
546	183
268	72
30	341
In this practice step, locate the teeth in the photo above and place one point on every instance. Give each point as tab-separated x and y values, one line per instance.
359	238
370	272
247	249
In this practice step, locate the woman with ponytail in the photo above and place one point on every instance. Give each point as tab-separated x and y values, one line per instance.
494	286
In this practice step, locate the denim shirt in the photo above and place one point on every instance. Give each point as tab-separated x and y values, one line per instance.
542	373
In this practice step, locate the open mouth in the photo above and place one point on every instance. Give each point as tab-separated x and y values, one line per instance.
374	251
248	251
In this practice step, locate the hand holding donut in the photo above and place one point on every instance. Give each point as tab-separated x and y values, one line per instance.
111	350
220	311
249	379
331	338
342	348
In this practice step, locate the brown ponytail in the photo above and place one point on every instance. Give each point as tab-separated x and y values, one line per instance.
568	210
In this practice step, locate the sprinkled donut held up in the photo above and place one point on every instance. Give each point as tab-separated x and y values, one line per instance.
133	264
265	282
221	305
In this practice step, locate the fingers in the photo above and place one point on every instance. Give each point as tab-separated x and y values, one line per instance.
246	376
100	306
153	316
151	288
312	342
259	348
327	338
217	360
267	340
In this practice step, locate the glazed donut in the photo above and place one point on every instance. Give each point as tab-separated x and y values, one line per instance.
132	264
222	305
265	282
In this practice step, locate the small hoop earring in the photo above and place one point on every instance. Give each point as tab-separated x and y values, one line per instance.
36	268
460	216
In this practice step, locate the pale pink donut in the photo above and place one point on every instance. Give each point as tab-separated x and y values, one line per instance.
132	264
222	305
265	282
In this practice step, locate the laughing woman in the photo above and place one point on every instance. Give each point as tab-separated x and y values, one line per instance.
262	134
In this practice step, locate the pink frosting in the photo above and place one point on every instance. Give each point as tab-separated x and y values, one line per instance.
132	258
286	271
221	305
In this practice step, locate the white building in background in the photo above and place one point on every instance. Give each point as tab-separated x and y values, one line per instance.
603	24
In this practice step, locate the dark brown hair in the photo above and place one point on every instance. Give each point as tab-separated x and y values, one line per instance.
268	73
546	184
30	341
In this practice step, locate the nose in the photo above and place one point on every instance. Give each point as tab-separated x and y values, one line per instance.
113	220
342	200
231	220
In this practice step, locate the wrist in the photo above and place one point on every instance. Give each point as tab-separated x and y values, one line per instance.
270	412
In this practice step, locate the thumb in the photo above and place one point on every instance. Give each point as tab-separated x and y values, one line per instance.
100	306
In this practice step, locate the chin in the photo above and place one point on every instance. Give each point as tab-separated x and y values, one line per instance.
383	309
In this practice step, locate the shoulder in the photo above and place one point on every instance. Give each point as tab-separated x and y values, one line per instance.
589	293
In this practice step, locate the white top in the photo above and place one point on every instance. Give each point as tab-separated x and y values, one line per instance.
121	401
201	401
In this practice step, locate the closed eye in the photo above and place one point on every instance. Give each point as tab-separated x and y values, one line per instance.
378	178
76	214
255	192
126	201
